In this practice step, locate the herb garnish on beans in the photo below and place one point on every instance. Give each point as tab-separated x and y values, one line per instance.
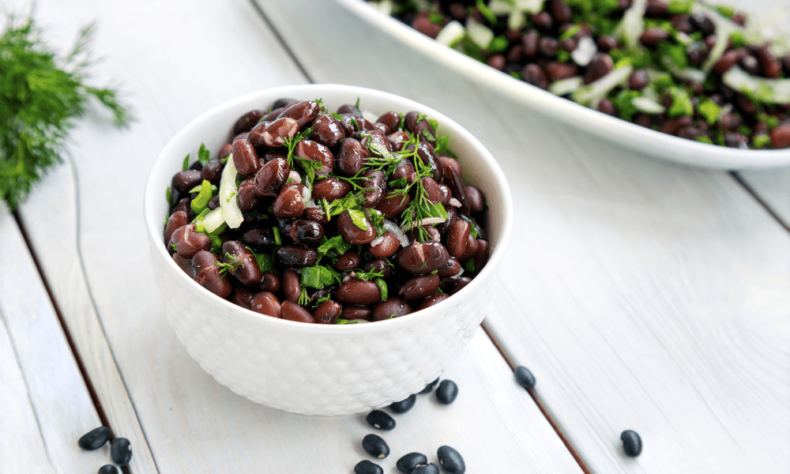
328	218
682	67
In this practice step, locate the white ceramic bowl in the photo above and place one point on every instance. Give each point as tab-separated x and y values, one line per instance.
640	140
321	369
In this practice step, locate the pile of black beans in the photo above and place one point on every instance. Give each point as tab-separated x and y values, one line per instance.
323	197
539	54
120	448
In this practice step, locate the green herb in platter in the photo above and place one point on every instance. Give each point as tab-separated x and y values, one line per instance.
41	95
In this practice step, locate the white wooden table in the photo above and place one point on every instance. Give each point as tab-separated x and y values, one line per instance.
643	296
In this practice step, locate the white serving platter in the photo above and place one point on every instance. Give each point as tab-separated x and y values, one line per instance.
640	140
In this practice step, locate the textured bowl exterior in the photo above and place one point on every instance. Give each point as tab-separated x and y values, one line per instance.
318	369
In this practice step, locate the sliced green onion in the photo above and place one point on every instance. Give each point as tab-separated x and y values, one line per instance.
277	239
478	33
383	288
771	91
451	34
648	106
593	93
566	86
201	200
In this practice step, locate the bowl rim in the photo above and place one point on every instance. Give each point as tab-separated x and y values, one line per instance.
159	251
591	121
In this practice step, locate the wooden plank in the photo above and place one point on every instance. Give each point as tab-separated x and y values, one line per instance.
643	295
772	187
58	396
191	422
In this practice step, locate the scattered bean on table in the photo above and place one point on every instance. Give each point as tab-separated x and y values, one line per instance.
367	467
121	451
524	377
447	392
108	469
411	461
375	446
632	443
380	420
94	439
404	405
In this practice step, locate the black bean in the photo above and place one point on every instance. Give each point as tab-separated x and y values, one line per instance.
451	460
295	256
121	451
632	443
447	392
524	377
404	405
375	446
429	388
411	461
428	469
380	420
94	439
367	467
108	469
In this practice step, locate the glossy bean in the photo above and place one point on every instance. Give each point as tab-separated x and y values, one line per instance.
430	468
409	462
451	460
391	119
271	177
548	46
352	233
293	312
276	132
351	157
292	287
353	312
404	170
434	194
483	252
638	80
330	189
780	136
419	287
471	249
398	139
327	312
393	307
376	183
270	282
632	443
387	247
303	112
247	198
457	284
557	71
177	219
380	420
453	180
306	232
457	238
316	214
378	265
241	136
446	392
212	172
358	292
367	467
121	451
266	303
433	300
450	269
354	123
600	65
393	205
259	239
94	439
381	128
524	377
445	195
452	216
248	273
433	233
247	121
312	150
328	131
348	261
245	158
421	258
426	153
349	109
289	203
295	256
404	405
535	75
108	469
185	180
422	128
256	138
241	296
188	241
375	446
207	274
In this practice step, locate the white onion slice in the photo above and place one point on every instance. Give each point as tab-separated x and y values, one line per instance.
306	195
295	177
566	86
228	195
632	25
648	106
393	227
478	33
584	51
377	241
594	92
458	275
724	28
451	34
773	91
213	220
530	6
426	221
309	204
455	202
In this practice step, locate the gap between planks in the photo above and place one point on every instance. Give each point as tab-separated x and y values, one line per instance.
739	179
72	347
576	456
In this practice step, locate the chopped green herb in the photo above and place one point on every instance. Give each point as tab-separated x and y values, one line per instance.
366	276
498	44
304	298
681	103
168	195
277	239
710	111
436	18
204	156
469	265
383	288
358	218
486	12
679	7
397	183
761	141
318	276
185	164
356	104
703	139
265	261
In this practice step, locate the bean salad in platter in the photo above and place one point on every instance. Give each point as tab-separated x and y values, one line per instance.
332	218
682	67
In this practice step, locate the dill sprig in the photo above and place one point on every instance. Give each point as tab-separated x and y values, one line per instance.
40	96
